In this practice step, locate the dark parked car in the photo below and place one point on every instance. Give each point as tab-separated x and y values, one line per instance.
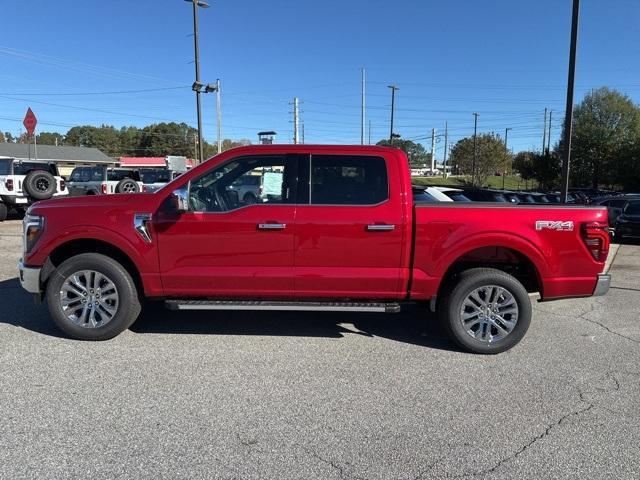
614	205
628	222
485	195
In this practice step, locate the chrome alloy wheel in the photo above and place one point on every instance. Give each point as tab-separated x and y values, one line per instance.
89	298
489	313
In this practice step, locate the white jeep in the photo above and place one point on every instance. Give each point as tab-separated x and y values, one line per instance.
25	182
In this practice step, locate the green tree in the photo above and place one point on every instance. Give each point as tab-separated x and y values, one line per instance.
543	168
523	164
50	138
105	138
9	138
130	138
416	153
606	124
2	138
492	157
172	138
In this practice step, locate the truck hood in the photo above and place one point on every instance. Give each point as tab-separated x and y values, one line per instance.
125	201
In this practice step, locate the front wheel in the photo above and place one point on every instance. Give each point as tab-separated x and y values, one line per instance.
92	297
487	311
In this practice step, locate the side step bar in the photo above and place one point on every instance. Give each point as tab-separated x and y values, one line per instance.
282	306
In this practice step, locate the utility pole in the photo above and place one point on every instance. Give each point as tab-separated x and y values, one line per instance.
393	106
295	120
446	143
197	84
506	137
302	126
362	107
475	148
369	132
433	150
549	136
544	132
568	119
219	115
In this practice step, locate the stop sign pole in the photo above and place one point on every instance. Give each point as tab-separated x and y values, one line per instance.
30	121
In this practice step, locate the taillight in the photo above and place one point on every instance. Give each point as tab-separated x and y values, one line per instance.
596	237
104	188
62	185
9	184
144	189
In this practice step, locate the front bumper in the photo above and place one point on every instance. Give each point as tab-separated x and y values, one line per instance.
30	278
602	285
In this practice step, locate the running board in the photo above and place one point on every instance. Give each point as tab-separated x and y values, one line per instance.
282	306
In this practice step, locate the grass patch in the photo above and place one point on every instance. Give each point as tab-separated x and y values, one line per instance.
511	182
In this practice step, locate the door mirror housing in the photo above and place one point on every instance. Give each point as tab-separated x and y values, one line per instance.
180	199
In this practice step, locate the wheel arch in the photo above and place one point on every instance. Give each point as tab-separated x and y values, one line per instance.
78	246
500	257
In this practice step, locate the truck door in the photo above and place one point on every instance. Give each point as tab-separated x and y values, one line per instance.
226	247
349	229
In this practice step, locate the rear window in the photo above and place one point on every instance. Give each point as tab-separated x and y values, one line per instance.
117	175
22	168
348	180
155	176
632	208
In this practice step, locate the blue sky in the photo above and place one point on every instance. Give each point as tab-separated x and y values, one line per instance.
505	59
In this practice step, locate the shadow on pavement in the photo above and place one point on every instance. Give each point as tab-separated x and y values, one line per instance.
416	325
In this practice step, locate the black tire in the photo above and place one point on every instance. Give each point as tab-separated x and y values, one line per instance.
127	185
39	185
128	307
249	199
3	212
451	308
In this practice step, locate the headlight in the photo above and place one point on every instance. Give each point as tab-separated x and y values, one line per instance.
33	226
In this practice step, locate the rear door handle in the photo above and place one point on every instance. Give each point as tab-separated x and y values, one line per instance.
272	226
380	228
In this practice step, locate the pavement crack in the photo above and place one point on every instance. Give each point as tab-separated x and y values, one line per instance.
595	322
534	440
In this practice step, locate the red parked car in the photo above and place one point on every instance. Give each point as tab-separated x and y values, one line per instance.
336	229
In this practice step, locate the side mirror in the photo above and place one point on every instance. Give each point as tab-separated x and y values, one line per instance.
180	199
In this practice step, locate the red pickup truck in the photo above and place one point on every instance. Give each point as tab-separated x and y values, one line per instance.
331	228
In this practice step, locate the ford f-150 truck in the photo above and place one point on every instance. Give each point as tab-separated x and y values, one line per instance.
337	229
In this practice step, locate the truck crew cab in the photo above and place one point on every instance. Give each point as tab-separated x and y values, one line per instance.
337	230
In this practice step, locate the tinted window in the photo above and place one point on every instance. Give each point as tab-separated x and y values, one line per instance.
117	175
348	180
219	189
155	176
22	168
76	175
422	197
617	203
93	174
632	208
5	167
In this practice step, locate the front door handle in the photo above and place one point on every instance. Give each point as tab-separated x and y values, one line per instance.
272	226
380	228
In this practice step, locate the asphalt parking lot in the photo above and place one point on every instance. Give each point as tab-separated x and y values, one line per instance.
247	395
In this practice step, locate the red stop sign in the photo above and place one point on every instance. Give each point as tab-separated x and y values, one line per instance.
30	121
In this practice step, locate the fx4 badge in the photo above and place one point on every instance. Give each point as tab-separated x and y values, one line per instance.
554	225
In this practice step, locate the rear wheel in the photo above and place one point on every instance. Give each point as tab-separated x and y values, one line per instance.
487	311
39	185
127	185
92	297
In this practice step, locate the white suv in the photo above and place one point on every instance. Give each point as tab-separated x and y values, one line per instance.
22	183
100	180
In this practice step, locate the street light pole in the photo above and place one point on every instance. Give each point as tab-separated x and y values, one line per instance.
475	148
568	119
506	136
393	106
197	84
